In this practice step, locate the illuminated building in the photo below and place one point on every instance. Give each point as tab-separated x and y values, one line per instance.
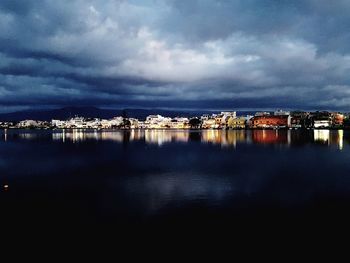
281	112
225	116
337	119
210	124
266	121
237	123
157	122
262	113
322	124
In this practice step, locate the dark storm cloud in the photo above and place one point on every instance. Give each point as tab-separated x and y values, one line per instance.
181	54
324	23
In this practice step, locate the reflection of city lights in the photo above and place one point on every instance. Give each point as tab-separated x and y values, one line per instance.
78	135
270	136
340	139
217	137
212	136
28	136
321	135
82	135
289	137
160	137
156	137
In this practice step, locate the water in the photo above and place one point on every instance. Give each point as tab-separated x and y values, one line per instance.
166	177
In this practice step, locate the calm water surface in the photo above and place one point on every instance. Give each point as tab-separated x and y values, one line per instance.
157	176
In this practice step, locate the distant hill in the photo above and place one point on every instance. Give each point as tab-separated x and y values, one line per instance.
62	114
90	112
93	112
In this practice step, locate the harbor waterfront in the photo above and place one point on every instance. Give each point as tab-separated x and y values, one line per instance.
186	117
224	120
122	177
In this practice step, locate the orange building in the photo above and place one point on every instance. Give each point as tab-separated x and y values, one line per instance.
337	119
273	121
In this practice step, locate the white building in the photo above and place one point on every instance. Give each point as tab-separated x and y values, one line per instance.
226	115
205	117
28	124
58	123
262	113
281	112
210	124
134	123
179	123
77	122
93	123
322	123
157	122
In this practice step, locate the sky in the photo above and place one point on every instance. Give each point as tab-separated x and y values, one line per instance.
175	54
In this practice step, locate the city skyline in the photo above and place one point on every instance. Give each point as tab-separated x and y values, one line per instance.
224	120
209	54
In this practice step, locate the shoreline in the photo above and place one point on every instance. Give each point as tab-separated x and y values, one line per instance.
178	129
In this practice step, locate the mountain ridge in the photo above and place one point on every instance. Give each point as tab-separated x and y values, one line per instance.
92	112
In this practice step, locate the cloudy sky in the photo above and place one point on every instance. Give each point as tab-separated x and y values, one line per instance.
199	54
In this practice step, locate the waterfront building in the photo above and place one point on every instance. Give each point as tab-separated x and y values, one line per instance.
325	123
237	123
279	121
219	121
95	123
179	123
301	119
58	123
229	114
76	122
116	122
205	117
322	119
104	124
225	116
337	119
142	125
296	122
210	124
31	124
6	124
262	113
346	121
281	112
134	123
157	122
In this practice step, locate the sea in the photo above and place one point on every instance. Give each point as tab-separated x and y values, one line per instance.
175	179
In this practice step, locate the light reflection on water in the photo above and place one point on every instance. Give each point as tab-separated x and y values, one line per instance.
183	170
217	137
330	138
173	187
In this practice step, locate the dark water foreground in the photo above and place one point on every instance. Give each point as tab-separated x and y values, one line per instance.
175	179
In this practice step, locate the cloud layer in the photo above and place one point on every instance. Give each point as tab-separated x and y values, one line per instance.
208	54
